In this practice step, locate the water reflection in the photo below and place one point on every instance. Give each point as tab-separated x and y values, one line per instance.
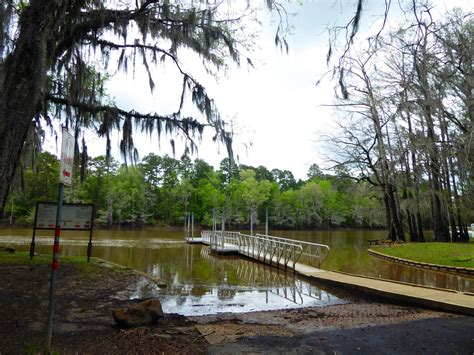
241	285
163	253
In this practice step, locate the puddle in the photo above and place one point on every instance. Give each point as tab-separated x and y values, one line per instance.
222	299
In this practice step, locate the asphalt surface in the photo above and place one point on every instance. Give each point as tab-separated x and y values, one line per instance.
428	336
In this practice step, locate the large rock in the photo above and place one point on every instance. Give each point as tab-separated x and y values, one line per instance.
144	313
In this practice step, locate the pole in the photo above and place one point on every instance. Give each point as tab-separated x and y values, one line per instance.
251	222
54	269
32	245
223	220
213	219
192	225
266	220
189	224
185	225
11	212
89	245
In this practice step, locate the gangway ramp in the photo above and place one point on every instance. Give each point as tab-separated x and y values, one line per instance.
277	251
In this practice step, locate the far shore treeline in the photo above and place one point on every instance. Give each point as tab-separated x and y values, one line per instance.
159	190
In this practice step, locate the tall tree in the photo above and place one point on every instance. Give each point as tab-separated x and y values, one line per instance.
47	49
408	119
367	146
253	192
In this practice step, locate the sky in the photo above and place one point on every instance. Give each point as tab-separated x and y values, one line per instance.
275	108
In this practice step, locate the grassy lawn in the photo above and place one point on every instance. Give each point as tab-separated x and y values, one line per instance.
450	254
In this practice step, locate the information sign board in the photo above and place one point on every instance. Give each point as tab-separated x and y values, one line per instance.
73	216
67	158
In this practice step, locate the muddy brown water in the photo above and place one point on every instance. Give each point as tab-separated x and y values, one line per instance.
201	283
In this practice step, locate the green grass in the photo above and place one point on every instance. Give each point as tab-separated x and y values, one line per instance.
448	254
82	267
23	258
34	349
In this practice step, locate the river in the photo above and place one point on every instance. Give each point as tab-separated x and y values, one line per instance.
201	283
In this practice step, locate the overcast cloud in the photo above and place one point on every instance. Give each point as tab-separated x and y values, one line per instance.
276	105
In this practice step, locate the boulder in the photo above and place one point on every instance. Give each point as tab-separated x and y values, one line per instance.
146	312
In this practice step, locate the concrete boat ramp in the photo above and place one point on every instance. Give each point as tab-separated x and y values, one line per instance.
425	297
398	292
305	258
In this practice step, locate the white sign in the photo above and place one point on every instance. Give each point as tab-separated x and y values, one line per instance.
77	217
67	158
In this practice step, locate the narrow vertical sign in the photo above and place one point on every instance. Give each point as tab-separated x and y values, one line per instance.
65	178
67	158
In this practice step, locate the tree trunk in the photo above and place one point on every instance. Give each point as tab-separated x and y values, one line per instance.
440	227
386	179
445	152
22	89
416	181
395	220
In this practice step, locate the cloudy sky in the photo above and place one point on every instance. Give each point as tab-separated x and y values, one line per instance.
276	106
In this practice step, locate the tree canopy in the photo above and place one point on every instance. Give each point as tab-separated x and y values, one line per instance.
54	56
49	51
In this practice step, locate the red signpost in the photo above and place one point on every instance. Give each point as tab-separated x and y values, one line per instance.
65	178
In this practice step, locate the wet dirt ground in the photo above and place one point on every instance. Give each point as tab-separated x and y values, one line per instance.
83	322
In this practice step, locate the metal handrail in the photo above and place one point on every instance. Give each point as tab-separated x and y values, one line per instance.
312	252
269	249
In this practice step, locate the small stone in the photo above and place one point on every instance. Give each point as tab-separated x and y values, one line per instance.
144	313
158	281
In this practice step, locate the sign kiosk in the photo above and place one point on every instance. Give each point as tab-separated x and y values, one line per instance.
74	217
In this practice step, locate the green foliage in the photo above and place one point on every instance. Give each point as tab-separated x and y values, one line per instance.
253	192
161	189
314	171
284	178
37	181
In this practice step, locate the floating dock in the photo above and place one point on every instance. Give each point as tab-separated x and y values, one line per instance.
192	240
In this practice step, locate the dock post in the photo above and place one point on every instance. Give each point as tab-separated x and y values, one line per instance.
223	220
251	222
266	220
213	219
185	221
